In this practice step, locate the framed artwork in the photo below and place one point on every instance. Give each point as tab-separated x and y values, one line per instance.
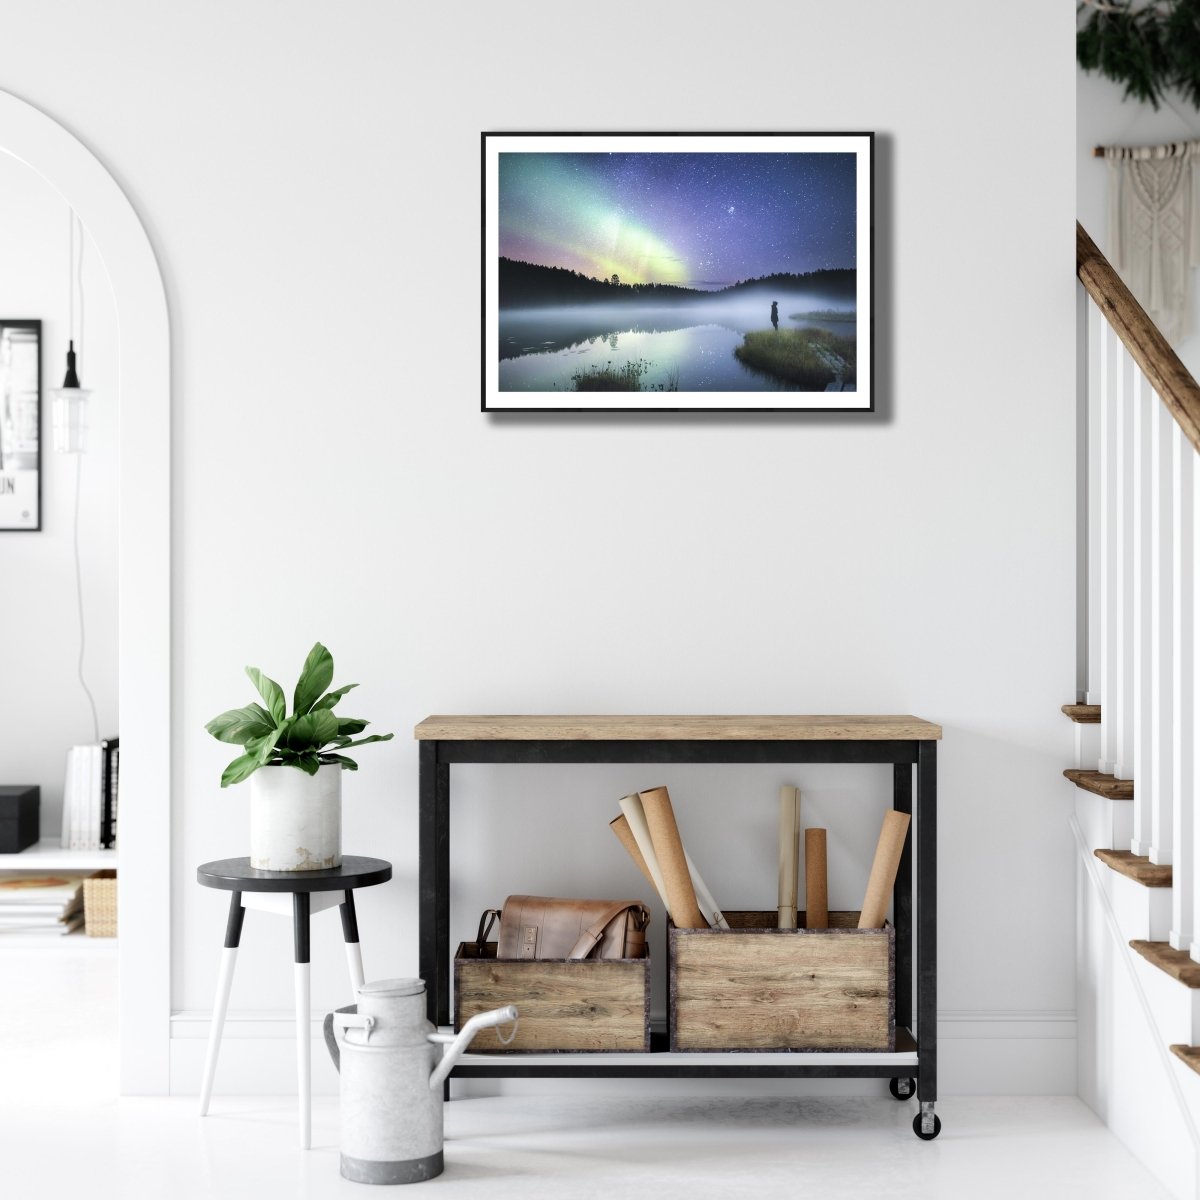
20	425
670	272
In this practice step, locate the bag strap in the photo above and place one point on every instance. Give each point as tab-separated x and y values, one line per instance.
595	931
485	926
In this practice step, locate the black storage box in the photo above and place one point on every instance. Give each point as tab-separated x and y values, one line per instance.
19	817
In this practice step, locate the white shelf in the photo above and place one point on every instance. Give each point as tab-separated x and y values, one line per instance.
57	941
48	855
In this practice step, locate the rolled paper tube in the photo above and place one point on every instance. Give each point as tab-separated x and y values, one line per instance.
635	818
789	817
704	898
883	869
816	880
620	826
672	862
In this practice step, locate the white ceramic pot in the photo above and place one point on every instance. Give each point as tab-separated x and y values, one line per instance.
296	818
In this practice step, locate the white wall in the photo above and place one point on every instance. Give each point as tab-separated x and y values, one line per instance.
1106	119
43	709
312	188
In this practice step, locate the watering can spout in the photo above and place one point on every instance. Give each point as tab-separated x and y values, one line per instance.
456	1049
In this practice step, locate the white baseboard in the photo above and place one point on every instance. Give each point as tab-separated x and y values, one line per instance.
980	1053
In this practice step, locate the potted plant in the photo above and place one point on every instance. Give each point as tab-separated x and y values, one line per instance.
294	764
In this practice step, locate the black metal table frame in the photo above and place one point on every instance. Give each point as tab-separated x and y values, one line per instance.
436	758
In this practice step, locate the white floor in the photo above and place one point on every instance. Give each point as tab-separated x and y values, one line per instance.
63	1133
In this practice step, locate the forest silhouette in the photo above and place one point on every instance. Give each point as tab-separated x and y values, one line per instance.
529	285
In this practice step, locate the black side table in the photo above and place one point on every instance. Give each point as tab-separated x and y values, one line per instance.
310	891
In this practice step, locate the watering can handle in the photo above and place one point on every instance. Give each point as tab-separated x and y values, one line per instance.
343	1018
331	1042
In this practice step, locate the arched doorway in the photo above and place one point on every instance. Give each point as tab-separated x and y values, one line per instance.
144	577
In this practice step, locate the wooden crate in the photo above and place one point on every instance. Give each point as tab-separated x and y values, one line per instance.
100	904
565	1005
756	987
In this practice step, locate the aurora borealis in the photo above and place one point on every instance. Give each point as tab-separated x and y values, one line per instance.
698	220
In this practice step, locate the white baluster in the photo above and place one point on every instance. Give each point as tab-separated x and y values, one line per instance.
1183	757
1126	376
1109	491
1146	404
1195	702
1162	599
1095	349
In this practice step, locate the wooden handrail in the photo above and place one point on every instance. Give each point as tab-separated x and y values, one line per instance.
1146	345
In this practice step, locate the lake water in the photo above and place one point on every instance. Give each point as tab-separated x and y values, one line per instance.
688	348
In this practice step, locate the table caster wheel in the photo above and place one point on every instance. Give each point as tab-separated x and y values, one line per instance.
902	1089
927	1137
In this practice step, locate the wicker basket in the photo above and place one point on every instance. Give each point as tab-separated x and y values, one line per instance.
100	904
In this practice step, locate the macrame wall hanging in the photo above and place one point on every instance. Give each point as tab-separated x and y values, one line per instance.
1154	227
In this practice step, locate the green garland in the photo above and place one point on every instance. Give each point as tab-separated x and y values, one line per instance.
1151	49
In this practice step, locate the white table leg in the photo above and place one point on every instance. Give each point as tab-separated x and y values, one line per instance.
354	962
304	1053
215	1029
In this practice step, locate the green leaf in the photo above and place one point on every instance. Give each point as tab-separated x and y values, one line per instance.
241	768
375	737
348	764
241	725
265	747
315	676
351	725
270	691
331	698
311	731
309	763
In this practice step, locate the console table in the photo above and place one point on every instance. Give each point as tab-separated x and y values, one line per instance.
905	742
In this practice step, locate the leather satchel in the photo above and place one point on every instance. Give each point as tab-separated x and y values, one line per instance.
543	927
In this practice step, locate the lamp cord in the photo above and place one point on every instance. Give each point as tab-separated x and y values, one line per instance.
75	270
79	601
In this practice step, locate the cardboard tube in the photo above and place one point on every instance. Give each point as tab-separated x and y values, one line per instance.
816	880
635	818
883	869
668	848
704	898
620	826
789	854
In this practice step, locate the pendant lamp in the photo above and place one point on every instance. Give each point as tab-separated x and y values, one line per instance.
70	402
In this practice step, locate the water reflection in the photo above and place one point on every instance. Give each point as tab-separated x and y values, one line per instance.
686	347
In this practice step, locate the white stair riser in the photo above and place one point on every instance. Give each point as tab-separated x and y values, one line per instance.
1142	913
1107	824
1176	1007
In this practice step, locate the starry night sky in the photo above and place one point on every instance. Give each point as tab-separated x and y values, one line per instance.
700	220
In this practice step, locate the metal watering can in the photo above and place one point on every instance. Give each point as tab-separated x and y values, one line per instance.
388	1057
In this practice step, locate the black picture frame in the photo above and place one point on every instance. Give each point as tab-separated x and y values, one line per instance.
535	349
20	425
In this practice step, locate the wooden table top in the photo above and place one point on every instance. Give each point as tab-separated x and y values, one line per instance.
855	728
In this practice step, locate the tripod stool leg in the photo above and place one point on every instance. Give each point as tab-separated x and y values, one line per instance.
300	910
353	946
233	935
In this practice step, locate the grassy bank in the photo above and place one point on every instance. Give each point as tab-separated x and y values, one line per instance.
622	379
825	314
810	358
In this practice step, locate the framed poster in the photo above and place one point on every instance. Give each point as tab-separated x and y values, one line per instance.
20	425
666	272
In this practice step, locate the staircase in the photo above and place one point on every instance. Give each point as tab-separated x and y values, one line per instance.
1137	721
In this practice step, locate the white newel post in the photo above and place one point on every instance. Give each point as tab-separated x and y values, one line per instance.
1145	406
1109	491
1183	758
1162	601
1095	351
1127	374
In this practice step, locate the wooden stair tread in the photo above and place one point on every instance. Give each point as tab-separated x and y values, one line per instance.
1136	867
1108	786
1189	1054
1177	963
1083	714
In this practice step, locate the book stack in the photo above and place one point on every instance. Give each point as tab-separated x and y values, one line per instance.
48	902
90	796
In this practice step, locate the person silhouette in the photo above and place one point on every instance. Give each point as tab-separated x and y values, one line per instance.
775	313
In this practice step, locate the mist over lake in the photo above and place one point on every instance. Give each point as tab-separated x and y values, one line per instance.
684	346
